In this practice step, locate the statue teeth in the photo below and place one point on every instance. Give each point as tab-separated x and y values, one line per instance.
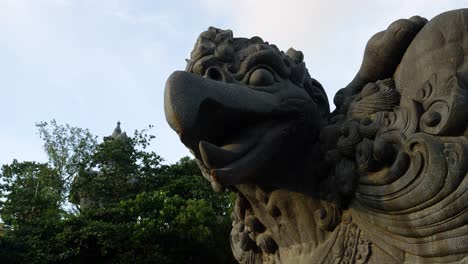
215	184
217	157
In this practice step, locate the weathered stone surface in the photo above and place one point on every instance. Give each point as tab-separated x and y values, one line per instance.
381	179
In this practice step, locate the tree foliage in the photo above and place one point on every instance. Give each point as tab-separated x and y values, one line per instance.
31	197
118	169
68	148
31	191
133	209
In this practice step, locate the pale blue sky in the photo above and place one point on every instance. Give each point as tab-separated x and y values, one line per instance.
90	63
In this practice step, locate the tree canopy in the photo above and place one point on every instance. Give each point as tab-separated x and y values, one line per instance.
109	202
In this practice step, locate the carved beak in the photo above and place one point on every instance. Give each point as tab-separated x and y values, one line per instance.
222	123
199	108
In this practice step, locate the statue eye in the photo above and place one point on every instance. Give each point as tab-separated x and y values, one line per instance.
261	77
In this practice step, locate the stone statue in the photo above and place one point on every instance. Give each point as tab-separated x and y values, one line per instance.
381	179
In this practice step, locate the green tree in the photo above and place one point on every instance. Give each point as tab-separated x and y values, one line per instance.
185	179
137	210
150	228
31	207
119	168
30	192
67	147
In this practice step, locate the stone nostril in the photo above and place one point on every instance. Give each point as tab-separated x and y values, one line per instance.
214	73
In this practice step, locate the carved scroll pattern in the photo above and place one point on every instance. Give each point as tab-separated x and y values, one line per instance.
417	203
410	185
410	188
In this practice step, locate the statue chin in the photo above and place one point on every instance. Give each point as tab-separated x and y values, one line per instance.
381	179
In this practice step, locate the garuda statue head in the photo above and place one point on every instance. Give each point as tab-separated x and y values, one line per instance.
248	111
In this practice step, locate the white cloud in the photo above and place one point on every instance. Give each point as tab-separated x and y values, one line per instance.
124	13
